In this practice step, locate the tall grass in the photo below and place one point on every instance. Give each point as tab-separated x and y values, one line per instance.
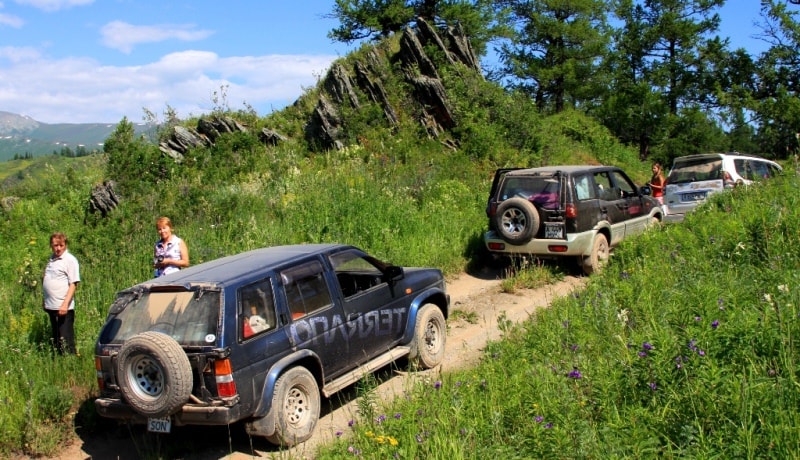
684	347
403	197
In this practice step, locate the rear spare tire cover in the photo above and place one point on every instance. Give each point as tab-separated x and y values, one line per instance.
154	374
517	220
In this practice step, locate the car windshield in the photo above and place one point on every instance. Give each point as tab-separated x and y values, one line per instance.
694	170
189	317
542	190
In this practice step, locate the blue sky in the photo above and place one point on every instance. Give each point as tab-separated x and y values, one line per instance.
83	61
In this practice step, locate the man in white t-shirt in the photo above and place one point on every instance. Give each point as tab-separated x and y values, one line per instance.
60	280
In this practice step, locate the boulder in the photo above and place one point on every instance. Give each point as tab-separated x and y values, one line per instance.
271	137
338	84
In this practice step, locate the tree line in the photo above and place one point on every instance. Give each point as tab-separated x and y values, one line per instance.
656	73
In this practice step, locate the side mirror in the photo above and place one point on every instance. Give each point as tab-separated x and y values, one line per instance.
645	190
394	273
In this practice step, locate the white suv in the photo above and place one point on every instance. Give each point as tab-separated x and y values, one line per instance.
693	178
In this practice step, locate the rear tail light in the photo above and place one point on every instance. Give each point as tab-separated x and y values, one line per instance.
496	246
223	375
571	211
557	248
98	367
727	180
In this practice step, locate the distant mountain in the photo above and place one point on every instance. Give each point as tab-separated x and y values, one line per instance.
21	135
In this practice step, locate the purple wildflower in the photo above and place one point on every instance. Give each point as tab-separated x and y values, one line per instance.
697	318
380	419
397	415
574	374
647	346
549	425
438	384
574	347
338	433
653	386
642	354
701	352
714	324
538	419
351	423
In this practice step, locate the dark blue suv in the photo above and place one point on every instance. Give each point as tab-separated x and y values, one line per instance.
260	336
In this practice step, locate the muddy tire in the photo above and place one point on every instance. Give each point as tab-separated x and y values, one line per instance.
600	251
154	374
296	404
517	220
430	334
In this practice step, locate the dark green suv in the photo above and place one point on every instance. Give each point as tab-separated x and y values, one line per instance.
258	337
566	211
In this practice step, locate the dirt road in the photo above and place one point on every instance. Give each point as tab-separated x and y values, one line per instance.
478	297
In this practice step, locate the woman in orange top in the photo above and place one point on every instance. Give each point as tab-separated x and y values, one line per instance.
657	183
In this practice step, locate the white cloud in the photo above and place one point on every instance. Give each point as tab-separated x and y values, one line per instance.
123	36
10	20
53	5
81	90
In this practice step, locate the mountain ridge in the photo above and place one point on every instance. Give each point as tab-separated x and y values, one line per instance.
21	135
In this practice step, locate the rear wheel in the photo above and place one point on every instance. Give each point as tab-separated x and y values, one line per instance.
296	403
517	220
600	251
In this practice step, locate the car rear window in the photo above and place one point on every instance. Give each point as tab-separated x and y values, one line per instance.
694	170
541	190
189	317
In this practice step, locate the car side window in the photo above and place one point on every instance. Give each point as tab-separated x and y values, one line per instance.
256	309
621	183
604	187
583	188
305	288
354	273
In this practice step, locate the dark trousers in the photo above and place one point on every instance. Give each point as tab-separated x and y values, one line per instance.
62	330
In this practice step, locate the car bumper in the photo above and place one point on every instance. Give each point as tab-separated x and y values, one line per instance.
579	244
189	414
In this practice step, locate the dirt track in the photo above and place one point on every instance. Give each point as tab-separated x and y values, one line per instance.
479	294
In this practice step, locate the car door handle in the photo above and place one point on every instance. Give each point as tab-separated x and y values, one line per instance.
353	316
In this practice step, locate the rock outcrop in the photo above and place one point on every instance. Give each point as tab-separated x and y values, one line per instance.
324	128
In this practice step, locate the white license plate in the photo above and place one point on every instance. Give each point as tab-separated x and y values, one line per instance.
697	196
159	425
554	232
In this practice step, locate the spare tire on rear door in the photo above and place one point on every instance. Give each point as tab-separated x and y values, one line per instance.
517	220
154	374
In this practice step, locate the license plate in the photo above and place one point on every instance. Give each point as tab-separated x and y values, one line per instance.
696	196
159	425
554	231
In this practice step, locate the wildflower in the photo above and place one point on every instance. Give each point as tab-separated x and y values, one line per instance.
397	416
624	275
697	318
721	303
419	438
575	374
392	441
647	346
653	386
714	324
538	419
574	347
642	354
339	433
462	431
768	298
438	384
783	288
458	384
693	345
380	419
549	425
351	423
701	352
622	316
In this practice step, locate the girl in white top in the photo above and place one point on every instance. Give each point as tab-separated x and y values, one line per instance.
171	253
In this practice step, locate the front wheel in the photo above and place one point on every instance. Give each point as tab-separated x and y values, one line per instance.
600	251
296	403
430	334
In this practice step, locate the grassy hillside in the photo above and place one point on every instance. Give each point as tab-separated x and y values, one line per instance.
395	191
684	347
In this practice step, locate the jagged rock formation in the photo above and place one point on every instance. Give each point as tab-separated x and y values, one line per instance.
208	130
103	199
324	127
